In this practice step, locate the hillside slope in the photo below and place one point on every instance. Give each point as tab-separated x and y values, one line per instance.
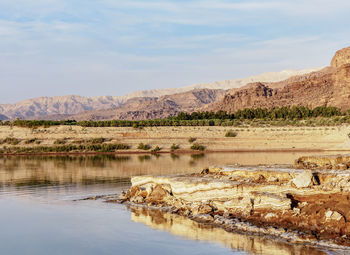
329	86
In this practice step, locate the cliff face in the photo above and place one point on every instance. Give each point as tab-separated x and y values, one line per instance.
330	87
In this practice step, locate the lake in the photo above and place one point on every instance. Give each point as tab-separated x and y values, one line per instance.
41	211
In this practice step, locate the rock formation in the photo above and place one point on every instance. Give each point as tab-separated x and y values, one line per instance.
299	205
329	86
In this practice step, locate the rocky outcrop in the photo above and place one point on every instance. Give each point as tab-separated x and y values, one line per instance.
329	86
341	57
339	162
297	205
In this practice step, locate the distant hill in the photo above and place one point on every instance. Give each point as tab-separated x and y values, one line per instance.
64	106
151	107
3	117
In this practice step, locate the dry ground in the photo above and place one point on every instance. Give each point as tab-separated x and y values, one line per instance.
213	138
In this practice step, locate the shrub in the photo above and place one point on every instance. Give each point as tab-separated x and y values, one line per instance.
29	141
143	146
174	147
60	141
198	147
10	140
97	140
156	149
67	148
230	133
192	139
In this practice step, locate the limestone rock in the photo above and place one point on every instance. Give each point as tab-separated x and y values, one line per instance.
303	180
333	215
157	195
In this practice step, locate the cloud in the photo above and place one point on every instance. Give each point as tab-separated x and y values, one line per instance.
117	46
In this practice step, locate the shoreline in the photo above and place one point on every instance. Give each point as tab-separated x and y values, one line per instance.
180	152
299	205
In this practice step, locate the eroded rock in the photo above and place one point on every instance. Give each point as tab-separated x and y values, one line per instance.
316	204
303	180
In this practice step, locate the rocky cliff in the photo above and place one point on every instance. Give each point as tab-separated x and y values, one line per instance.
329	86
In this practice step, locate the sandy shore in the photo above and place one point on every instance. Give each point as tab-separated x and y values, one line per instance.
213	138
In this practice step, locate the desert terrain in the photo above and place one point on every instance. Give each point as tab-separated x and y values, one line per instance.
212	138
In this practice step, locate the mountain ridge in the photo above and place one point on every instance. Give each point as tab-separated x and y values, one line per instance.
42	107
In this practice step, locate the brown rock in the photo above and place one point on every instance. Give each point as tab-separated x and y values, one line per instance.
157	195
205	209
342	57
329	86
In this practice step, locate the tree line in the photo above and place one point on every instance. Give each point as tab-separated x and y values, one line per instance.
219	118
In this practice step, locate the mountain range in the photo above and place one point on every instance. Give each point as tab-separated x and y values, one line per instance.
329	86
157	103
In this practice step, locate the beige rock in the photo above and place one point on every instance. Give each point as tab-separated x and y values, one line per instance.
303	180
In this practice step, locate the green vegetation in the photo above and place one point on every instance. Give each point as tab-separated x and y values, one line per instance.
197	147
29	141
10	140
60	141
143	146
192	139
66	148
156	149
281	116
174	147
230	133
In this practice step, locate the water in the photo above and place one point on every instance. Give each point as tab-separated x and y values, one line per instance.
39	213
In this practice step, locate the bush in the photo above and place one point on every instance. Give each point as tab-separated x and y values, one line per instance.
10	140
192	139
60	141
143	146
174	147
198	147
230	133
97	140
29	141
67	148
156	149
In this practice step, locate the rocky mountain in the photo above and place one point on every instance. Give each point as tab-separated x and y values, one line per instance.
329	86
3	117
60	106
152	107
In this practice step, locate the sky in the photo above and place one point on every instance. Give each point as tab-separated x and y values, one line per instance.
114	47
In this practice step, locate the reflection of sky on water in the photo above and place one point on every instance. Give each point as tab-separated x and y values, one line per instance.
38	216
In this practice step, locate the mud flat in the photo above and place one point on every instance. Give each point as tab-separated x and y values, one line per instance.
305	206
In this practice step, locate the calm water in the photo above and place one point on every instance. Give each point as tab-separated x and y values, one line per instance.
39	214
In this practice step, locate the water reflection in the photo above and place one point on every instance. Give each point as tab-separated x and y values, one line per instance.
54	178
189	229
44	171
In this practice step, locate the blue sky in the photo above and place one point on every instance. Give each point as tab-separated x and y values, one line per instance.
114	47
